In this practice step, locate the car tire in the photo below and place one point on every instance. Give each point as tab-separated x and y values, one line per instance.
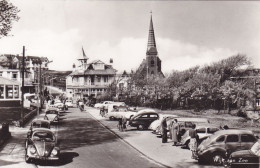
217	158
111	118
140	127
187	144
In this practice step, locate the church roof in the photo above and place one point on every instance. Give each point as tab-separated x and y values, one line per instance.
151	45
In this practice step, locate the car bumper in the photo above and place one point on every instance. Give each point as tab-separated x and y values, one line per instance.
45	158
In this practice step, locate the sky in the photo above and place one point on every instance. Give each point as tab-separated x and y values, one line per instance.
187	33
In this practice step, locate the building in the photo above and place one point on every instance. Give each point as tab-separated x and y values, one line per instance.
151	66
89	79
10	74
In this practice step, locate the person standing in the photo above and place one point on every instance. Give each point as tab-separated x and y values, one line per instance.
120	124
124	121
175	129
193	141
164	130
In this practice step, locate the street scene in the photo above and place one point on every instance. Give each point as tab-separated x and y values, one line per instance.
145	84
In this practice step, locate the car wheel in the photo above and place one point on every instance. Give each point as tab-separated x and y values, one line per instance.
217	158
111	118
140	127
187	144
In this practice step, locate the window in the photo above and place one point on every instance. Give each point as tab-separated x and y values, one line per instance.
9	91
1	73
152	63
144	116
221	139
92	79
14	75
232	138
247	138
201	130
153	116
1	91
99	78
105	79
16	91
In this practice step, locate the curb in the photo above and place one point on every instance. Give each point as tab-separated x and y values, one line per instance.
113	132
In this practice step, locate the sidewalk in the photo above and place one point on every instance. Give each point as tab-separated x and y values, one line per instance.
150	145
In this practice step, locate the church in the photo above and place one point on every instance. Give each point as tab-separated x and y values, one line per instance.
151	66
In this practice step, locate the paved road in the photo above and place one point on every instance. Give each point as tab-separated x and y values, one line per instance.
84	142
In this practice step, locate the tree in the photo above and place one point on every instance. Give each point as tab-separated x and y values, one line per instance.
8	14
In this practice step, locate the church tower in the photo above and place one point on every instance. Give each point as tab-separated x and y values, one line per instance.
153	62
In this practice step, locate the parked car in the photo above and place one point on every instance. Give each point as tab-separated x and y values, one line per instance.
69	103
214	148
185	123
203	131
120	111
41	146
245	158
38	123
157	123
101	104
52	115
142	120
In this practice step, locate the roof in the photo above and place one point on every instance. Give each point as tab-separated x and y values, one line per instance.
233	131
42	129
5	81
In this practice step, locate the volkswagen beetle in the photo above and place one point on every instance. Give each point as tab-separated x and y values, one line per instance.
41	146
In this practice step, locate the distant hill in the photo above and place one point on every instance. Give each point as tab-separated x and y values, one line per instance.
58	78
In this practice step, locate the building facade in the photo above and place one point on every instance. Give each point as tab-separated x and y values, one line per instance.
89	79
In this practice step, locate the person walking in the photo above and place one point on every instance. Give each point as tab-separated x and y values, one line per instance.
164	130
175	129
193	141
124	121
120	124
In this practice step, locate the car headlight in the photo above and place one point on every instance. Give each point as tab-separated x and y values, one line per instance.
54	152
32	150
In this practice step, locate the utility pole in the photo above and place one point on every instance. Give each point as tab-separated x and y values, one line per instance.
22	89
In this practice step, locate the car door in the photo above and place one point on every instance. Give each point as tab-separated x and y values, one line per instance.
232	142
144	119
247	141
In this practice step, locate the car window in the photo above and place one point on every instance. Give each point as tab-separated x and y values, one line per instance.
144	116
247	138
221	139
212	130
153	115
201	130
232	138
188	124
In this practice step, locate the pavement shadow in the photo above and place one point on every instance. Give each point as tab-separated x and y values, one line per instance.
80	132
65	158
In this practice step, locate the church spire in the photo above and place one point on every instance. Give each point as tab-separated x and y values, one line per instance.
151	46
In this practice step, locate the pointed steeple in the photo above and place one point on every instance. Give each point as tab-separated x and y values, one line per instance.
151	46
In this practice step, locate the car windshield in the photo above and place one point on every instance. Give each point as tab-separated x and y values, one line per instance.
256	149
40	125
52	112
43	136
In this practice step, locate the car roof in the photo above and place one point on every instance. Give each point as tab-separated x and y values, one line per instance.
233	131
42	130
146	110
40	120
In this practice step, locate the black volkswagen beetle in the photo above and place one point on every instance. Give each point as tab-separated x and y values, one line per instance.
245	158
41	145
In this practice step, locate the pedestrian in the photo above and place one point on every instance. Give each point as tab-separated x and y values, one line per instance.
175	130
81	105
164	130
102	111
124	121
120	124
193	141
